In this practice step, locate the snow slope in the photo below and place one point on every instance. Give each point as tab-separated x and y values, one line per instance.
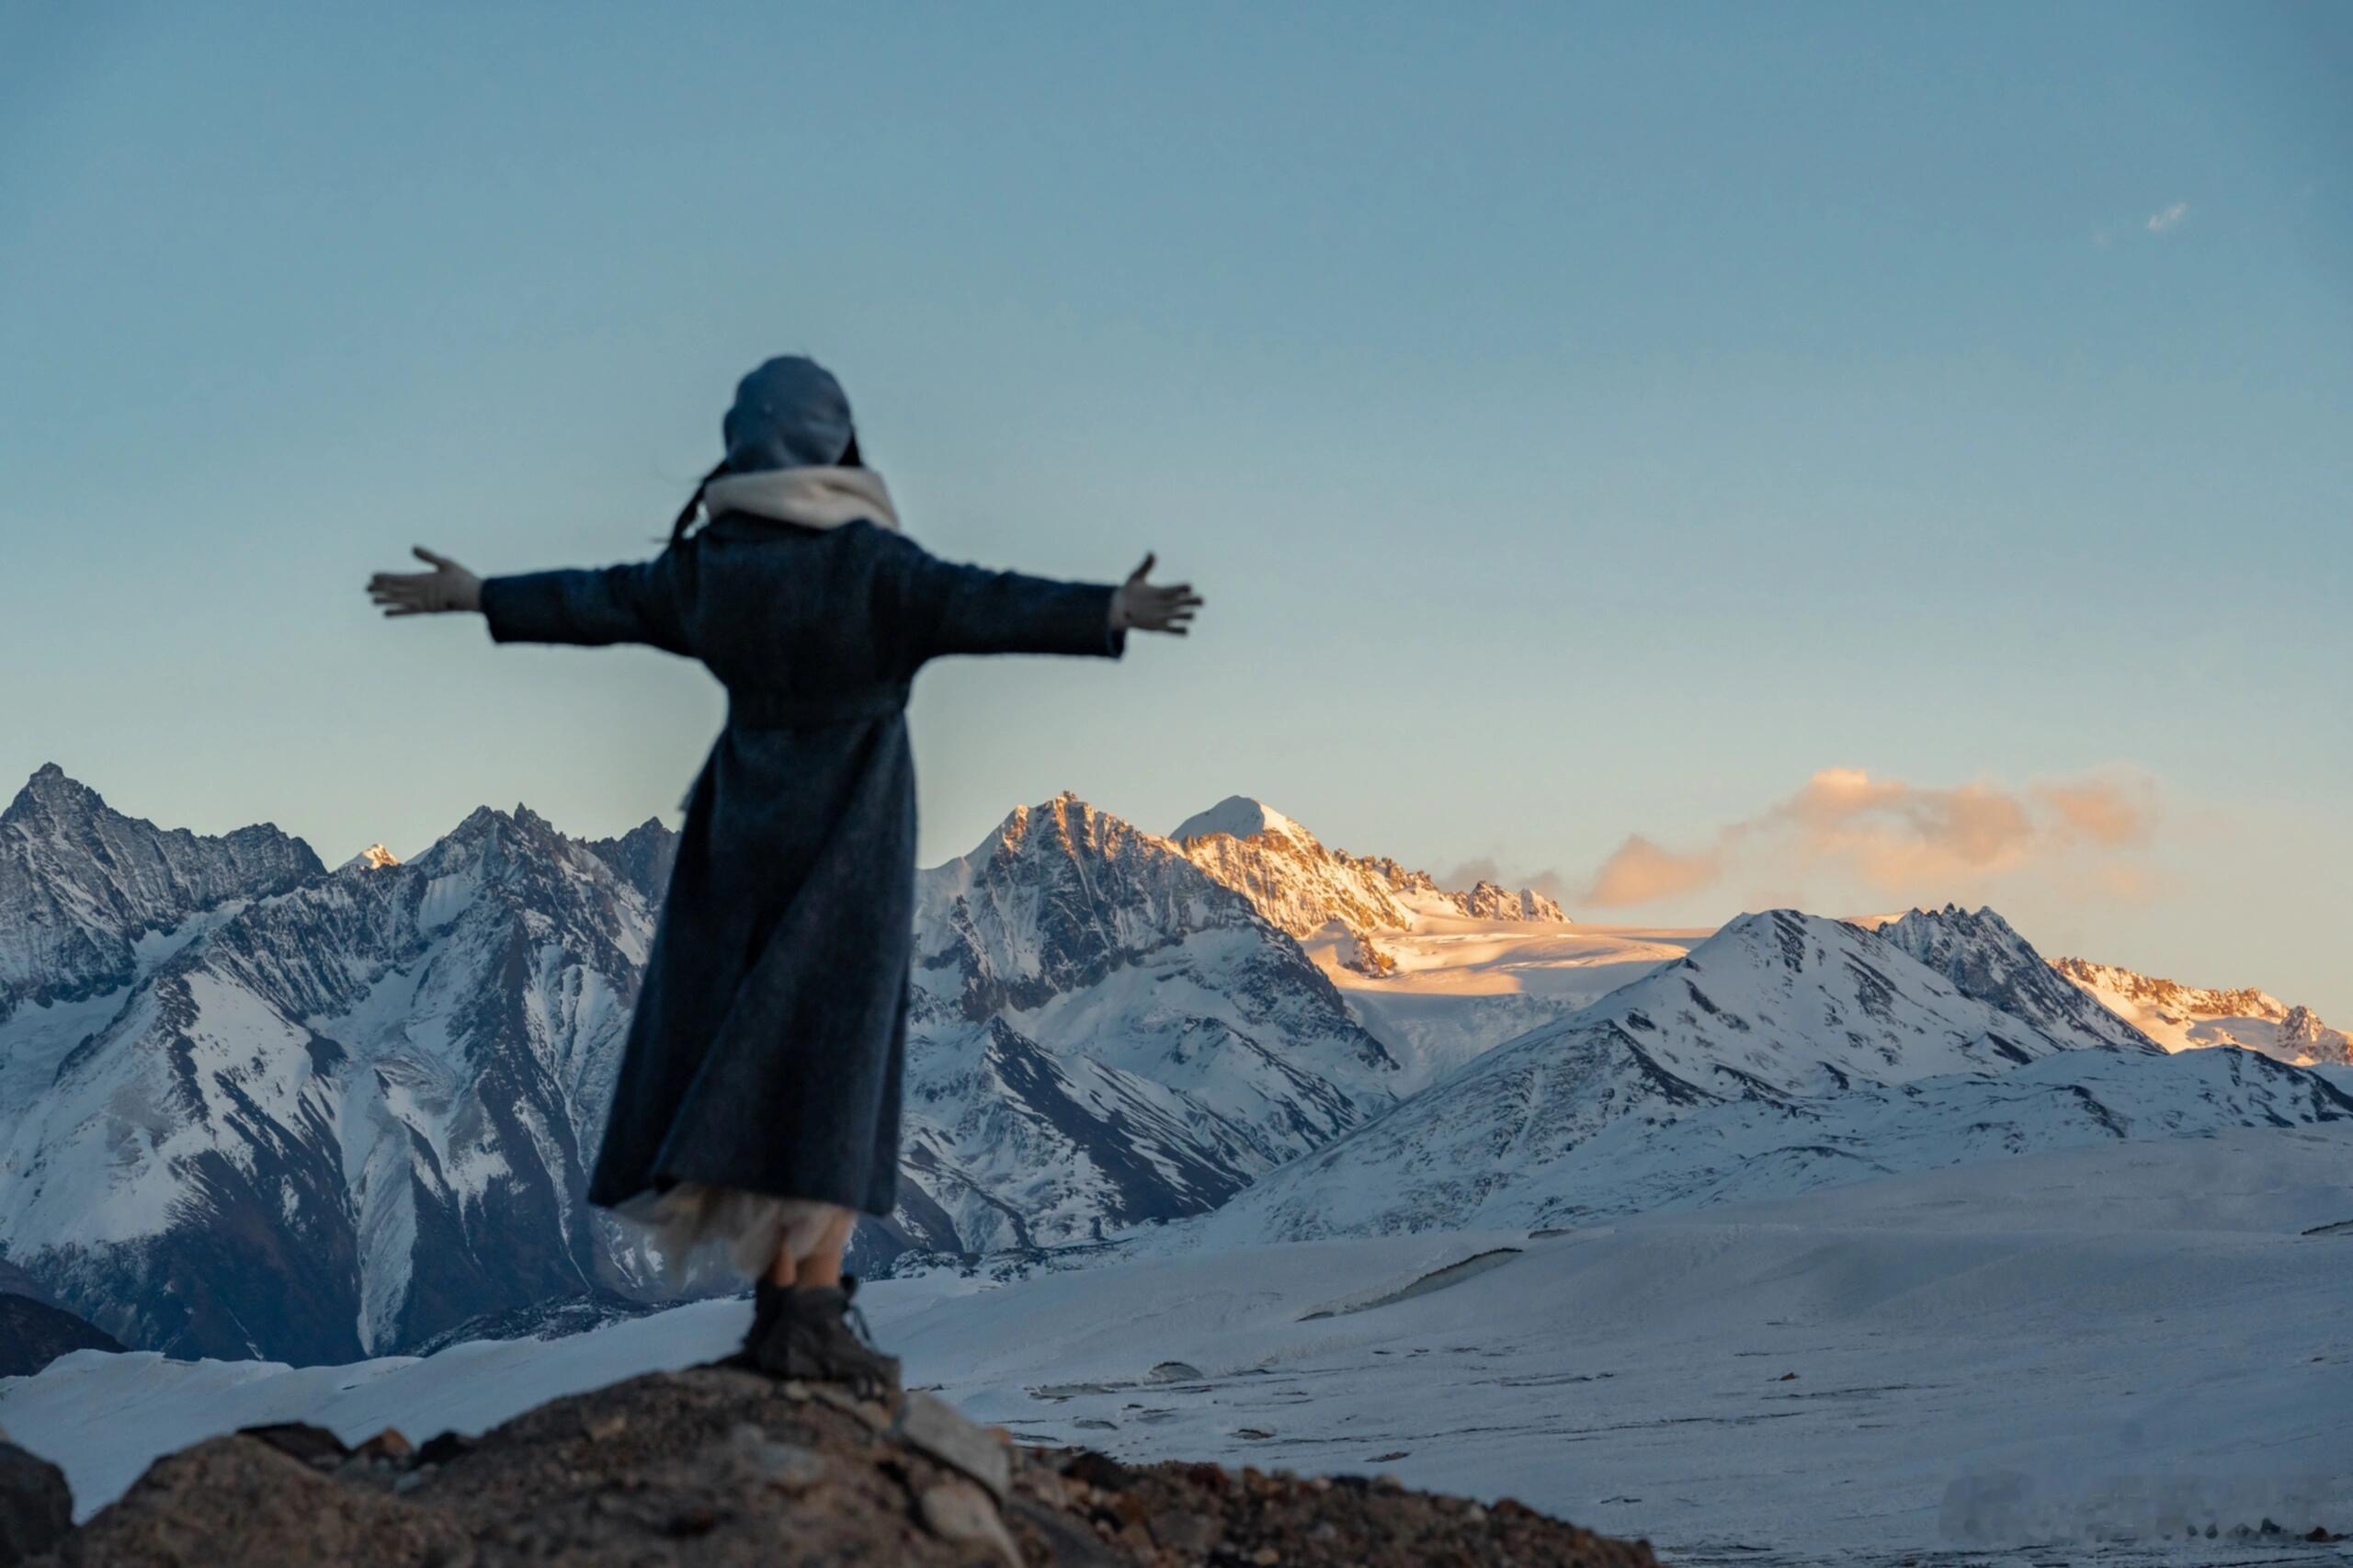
1458	986
2184	1017
1763	1147
1775	1005
1437	976
2034	1350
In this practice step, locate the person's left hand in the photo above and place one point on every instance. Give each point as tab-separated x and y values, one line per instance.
1142	606
448	587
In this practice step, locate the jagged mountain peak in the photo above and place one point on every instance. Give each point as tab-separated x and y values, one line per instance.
85	889
1066	827
642	856
51	788
56	796
1985	958
1102	1034
1491	901
1303	887
1064	821
1780	994
366	1102
504	835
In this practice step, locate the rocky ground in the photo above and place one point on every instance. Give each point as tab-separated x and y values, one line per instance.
721	1467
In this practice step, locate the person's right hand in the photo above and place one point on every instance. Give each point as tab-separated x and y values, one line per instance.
1141	606
448	587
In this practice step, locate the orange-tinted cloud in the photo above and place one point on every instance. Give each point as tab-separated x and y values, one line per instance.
1640	871
1894	838
2107	811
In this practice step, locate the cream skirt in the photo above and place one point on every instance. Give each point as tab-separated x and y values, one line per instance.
693	1220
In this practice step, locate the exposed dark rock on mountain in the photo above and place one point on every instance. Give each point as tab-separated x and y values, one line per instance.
337	1119
343	1114
1102	1034
33	1334
722	1468
642	856
250	1108
1986	959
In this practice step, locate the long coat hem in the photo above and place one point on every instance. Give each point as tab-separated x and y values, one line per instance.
769	1041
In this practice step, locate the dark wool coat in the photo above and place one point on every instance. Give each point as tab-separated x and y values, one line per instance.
766	1052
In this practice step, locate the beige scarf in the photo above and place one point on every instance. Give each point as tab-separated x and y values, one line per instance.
813	498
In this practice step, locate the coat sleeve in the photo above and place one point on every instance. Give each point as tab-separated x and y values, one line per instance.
641	602
952	608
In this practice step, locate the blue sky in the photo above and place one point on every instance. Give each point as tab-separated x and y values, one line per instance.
1585	422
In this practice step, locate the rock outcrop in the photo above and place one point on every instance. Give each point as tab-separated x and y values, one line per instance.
33	1333
36	1507
722	1467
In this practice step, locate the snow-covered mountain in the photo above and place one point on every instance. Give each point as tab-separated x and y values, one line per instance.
250	1106
341	1117
1763	1147
1437	976
2184	1017
1302	886
328	1114
642	856
1102	1035
1985	957
88	895
1777	1007
375	858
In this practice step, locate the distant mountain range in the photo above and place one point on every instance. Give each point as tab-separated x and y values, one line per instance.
274	1110
252	1107
1784	1053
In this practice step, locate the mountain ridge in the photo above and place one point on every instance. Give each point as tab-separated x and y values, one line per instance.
262	1107
2184	1017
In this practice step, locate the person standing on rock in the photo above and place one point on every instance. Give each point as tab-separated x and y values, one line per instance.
757	1104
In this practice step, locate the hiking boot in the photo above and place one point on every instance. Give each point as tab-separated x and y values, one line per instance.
805	1331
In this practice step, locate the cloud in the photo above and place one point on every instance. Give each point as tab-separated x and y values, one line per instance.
2168	219
1640	871
2112	812
1478	869
1894	839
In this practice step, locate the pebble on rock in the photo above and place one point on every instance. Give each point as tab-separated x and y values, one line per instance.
960	1511
932	1425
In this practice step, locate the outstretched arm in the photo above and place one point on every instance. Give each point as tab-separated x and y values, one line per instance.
637	603
969	609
